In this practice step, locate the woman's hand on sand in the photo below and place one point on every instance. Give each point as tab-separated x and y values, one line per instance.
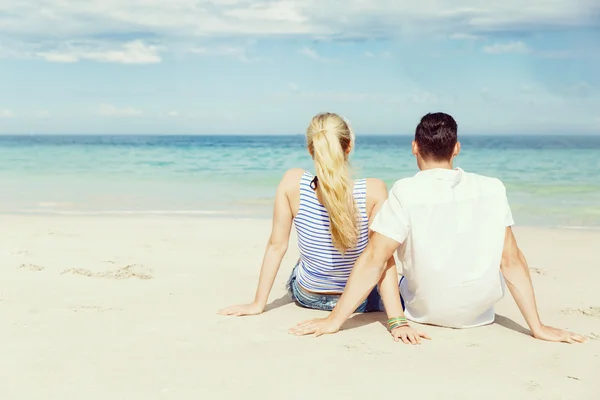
551	334
242	309
408	335
318	327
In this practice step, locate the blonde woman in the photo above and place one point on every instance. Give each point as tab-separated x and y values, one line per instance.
331	213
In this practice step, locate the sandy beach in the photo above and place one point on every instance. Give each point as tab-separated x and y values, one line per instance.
125	308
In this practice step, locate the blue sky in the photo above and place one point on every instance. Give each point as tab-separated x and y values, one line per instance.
256	66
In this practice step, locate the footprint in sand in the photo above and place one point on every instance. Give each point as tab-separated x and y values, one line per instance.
362	347
129	271
537	271
93	308
18	252
31	267
593	336
588	312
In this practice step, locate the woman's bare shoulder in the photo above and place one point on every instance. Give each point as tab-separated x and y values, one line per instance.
376	189
291	177
377	194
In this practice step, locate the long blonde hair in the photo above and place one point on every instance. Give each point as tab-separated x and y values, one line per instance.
330	139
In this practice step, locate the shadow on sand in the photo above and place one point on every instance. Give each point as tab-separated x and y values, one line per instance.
364	319
356	321
510	324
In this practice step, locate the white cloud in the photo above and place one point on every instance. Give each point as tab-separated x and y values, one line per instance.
464	36
510	47
173	114
287	11
368	54
58	57
238	52
43	114
109	110
6	113
135	52
52	26
293	86
59	18
311	53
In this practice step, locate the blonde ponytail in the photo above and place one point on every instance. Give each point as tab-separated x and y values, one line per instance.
329	140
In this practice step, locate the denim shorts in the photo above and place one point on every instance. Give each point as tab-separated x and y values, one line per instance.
326	302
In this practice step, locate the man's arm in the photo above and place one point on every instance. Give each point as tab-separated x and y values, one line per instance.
390	228
390	295
367	271
516	274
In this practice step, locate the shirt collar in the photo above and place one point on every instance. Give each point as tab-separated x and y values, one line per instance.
453	175
442	173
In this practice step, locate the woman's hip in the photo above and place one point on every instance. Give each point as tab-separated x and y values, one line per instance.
327	302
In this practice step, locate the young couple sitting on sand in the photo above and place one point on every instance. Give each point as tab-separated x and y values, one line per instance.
451	231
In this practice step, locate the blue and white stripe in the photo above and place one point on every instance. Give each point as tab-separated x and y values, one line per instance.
322	268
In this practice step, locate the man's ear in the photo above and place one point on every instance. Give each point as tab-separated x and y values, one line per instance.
415	148
456	151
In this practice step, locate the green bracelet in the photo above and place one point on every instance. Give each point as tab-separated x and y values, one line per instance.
396	322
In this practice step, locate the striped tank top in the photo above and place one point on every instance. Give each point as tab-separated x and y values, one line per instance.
322	268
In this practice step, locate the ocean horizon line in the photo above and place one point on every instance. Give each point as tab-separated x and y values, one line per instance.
468	134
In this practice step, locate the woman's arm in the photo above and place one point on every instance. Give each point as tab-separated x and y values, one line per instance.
276	249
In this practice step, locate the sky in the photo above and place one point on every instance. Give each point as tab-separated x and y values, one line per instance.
268	66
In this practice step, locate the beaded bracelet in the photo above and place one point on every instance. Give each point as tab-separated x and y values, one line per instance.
396	322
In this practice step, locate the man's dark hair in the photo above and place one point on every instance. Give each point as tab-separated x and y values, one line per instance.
436	136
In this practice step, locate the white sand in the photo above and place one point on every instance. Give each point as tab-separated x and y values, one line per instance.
76	323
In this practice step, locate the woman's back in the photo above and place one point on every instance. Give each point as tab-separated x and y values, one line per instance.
322	267
331	215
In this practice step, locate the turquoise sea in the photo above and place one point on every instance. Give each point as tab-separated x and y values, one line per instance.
551	180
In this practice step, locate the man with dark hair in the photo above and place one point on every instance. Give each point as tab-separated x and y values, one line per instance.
452	233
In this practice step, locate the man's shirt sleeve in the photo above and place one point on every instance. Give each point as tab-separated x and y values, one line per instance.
509	221
392	220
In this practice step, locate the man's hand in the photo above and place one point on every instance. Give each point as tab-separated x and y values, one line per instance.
318	327
408	335
242	309
551	334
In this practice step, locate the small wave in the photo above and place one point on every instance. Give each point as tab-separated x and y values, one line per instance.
55	204
130	212
580	227
552	190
